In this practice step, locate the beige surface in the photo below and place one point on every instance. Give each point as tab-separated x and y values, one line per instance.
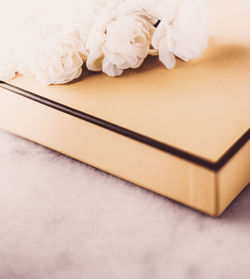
201	107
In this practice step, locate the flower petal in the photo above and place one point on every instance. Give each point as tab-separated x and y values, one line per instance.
166	57
111	69
160	33
191	29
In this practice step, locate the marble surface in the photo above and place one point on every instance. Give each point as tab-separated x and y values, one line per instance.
61	219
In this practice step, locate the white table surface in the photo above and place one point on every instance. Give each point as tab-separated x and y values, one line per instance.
61	219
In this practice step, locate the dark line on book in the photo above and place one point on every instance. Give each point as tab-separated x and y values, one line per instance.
131	134
232	150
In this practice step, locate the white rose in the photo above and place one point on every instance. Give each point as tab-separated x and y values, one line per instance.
92	21
127	44
186	36
57	59
119	39
32	33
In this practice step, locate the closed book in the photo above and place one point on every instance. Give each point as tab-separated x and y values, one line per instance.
182	133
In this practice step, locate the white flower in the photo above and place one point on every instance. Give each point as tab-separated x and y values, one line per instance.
119	39
92	21
127	43
57	59
186	36
47	49
34	31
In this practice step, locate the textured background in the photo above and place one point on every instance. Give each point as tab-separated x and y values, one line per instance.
61	219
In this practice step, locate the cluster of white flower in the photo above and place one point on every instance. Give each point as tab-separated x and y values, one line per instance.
109	36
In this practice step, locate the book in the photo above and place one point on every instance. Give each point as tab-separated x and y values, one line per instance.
182	133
